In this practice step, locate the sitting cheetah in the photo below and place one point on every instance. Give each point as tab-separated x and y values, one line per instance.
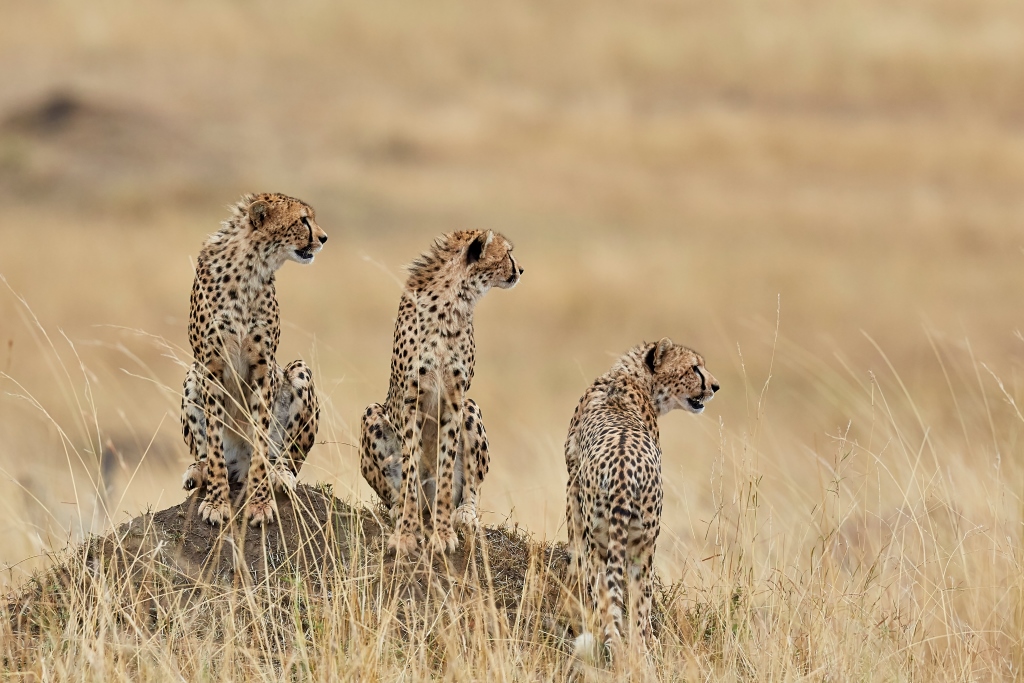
427	442
241	412
613	454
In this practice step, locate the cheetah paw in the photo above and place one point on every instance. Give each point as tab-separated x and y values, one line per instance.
260	512
282	479
443	540
587	648
465	519
574	570
215	512
403	544
194	477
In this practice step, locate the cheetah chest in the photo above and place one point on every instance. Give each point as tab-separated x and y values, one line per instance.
444	364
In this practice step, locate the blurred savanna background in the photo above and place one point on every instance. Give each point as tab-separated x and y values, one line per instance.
825	199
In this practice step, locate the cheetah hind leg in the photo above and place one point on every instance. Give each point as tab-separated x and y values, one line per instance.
574	529
608	582
194	477
476	462
294	424
193	429
381	457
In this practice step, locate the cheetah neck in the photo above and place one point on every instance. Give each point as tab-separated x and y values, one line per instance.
631	371
256	262
440	277
633	366
448	301
446	312
624	392
465	297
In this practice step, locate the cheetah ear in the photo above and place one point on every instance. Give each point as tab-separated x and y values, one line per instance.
478	246
656	355
258	213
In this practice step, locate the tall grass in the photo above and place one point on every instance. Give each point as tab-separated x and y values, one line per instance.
902	562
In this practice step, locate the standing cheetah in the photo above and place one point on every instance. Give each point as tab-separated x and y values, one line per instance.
427	442
613	454
242	414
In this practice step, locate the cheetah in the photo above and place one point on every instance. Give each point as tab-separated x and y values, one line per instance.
614	492
244	417
426	445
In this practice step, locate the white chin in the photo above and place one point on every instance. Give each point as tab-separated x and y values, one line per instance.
299	259
690	408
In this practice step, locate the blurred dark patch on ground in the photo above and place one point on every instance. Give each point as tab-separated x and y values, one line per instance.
67	149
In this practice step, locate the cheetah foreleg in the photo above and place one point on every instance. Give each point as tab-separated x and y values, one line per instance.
215	508
475	463
261	508
405	539
443	538
193	428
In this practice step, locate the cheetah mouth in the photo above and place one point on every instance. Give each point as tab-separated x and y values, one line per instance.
511	282
696	405
305	255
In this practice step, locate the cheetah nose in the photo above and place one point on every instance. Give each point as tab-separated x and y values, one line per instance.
715	388
521	271
323	238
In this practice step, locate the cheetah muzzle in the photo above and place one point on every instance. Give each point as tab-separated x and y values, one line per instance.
306	254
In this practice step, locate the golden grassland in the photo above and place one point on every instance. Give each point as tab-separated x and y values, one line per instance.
823	198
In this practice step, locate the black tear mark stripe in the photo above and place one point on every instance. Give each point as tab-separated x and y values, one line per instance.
309	226
703	382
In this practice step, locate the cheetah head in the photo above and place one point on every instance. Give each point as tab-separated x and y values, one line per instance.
489	259
680	380
286	227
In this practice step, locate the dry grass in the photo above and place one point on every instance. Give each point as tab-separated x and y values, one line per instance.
823	198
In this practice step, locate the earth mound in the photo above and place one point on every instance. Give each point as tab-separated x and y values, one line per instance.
170	572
